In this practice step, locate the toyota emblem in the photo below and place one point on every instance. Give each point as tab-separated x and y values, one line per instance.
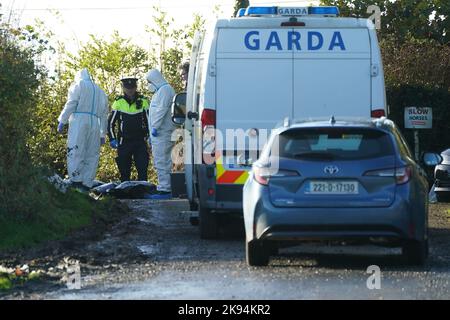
331	169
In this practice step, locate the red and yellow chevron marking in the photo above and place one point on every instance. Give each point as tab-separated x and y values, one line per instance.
224	176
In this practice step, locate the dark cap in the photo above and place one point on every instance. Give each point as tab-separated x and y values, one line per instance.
129	82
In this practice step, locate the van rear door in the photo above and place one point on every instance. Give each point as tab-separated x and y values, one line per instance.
332	72
254	80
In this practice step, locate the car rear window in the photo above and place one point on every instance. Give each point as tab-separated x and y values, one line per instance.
335	143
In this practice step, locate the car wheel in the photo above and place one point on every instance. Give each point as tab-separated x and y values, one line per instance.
272	247
415	252
256	253
208	224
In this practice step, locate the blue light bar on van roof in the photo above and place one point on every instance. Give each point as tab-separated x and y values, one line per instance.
324	10
241	12
287	11
259	11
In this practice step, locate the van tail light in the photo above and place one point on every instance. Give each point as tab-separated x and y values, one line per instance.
262	175
378	113
401	175
208	120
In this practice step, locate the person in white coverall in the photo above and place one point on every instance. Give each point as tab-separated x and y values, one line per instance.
161	128
86	111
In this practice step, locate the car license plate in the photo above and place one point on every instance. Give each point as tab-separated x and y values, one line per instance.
333	187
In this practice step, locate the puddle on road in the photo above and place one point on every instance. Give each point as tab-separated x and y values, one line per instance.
144	220
150	250
174	253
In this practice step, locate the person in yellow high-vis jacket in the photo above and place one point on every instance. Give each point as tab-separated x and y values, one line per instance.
128	130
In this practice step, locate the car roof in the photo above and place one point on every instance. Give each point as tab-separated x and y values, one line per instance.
380	123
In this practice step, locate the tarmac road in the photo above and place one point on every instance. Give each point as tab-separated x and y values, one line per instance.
155	253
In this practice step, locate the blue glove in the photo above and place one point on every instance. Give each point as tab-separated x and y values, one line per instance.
102	141
114	144
60	127
154	132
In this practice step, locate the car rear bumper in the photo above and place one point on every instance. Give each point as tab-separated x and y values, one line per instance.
274	223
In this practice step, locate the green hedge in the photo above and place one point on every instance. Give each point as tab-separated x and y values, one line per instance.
435	139
19	182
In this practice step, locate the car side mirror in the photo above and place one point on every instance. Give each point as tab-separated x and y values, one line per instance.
431	159
179	109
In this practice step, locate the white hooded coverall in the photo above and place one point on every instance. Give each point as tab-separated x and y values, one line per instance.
161	119
86	110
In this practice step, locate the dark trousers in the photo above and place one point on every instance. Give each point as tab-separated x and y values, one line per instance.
129	151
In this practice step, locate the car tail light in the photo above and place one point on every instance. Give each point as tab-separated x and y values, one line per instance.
378	113
263	174
401	175
208	120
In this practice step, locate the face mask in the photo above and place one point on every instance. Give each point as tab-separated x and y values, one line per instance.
151	88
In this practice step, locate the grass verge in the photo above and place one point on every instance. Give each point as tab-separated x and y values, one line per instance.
61	215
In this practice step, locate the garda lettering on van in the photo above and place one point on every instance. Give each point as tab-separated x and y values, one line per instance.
293	40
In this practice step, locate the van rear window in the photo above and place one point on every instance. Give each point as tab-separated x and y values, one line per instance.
335	143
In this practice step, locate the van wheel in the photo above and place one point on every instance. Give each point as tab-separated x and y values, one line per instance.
193	206
442	197
256	253
415	252
208	224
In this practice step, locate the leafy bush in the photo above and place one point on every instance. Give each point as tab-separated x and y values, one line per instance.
20	185
414	62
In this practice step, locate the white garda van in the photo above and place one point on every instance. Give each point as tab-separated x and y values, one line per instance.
248	73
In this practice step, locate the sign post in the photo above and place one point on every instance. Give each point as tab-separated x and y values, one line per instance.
418	118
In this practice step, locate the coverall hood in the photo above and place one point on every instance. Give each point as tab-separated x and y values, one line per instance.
83	75
155	77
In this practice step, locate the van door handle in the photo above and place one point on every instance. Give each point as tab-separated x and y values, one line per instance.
192	115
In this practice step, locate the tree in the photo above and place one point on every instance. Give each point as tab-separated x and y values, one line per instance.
197	25
427	19
173	45
402	63
240	4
